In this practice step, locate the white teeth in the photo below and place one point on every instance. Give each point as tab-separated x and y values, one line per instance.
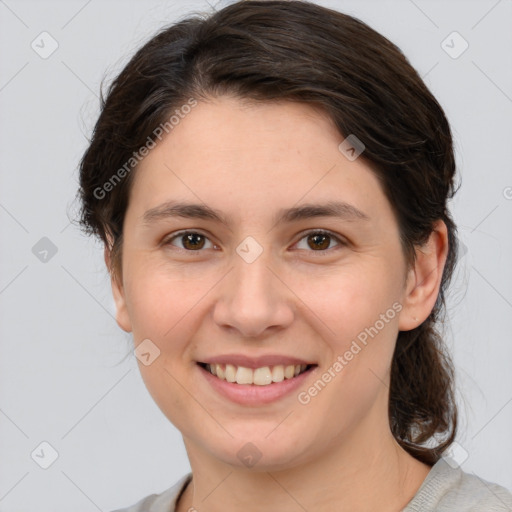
230	373
260	376
289	372
244	375
278	373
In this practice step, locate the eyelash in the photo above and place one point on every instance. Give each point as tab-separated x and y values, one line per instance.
341	243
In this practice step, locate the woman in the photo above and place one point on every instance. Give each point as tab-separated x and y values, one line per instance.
271	186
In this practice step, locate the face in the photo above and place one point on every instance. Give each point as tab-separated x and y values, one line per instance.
252	278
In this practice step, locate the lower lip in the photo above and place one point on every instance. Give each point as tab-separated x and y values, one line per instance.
252	394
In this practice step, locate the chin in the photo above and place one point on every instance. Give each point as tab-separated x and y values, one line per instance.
261	452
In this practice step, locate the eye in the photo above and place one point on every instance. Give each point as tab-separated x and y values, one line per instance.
191	240
320	240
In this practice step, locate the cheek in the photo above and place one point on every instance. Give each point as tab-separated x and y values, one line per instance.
351	298
159	300
361	311
163	382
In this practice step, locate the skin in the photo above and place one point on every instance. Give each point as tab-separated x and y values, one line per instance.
248	161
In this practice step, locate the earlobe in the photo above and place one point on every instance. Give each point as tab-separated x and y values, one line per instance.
424	280
122	316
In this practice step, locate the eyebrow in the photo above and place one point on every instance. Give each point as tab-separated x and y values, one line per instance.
339	209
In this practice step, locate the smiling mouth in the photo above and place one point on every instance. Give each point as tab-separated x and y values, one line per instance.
263	376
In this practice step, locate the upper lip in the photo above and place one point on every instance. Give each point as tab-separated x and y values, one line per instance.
255	362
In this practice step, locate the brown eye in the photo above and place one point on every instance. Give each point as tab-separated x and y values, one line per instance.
319	241
190	240
193	241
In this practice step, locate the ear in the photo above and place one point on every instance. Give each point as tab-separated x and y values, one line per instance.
424	280
122	316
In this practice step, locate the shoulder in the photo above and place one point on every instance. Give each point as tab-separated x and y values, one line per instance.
163	502
447	488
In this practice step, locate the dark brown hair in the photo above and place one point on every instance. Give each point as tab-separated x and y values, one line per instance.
299	51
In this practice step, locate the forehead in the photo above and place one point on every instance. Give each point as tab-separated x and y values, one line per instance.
240	129
231	153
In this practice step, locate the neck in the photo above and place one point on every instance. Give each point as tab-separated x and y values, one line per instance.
362	473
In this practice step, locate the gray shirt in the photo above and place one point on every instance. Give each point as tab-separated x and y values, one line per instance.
446	489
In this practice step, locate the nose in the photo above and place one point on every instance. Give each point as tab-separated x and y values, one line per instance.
253	299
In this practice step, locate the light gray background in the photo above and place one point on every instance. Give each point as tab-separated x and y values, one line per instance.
60	345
